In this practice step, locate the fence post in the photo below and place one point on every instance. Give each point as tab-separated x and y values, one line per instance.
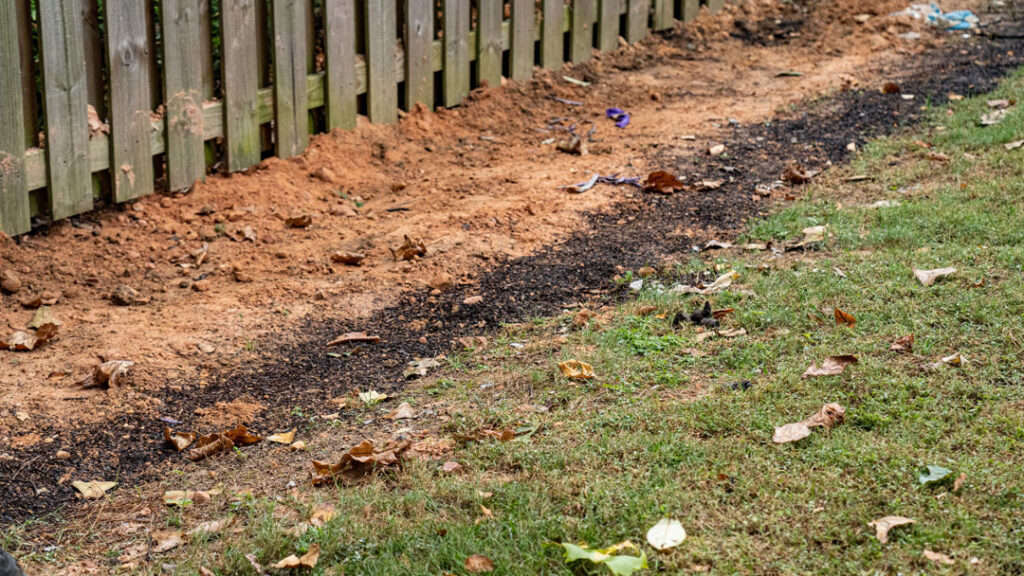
340	79
521	53
691	8
241	83
552	26
291	112
714	6
456	51
638	14
14	209
490	13
608	26
381	86
183	83
663	14
419	47
581	45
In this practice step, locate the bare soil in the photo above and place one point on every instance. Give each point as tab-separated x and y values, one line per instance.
240	304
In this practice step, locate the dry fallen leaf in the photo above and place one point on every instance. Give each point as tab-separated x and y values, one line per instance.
404	411
832	366
359	462
353	337
576	370
845	318
828	416
371	397
93	489
322	514
662	182
282	437
797	174
486	515
165	540
301	221
938	558
182	498
210	527
1014	145
22	341
221	442
812	235
308	560
959	482
348	258
716	149
928	277
419	368
180	440
883	525
108	374
666	534
450	467
477	564
409	249
903	344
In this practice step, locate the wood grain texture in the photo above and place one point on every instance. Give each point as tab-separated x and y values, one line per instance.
691	8
552	42
663	17
67	122
241	74
183	83
581	44
28	72
609	12
14	205
490	14
419	46
638	15
714	6
382	85
456	51
340	76
521	55
291	113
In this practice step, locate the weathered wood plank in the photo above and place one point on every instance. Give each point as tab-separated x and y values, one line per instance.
241	83
714	6
28	72
340	73
490	13
663	17
456	51
638	15
691	8
521	56
92	39
552	43
206	48
419	46
67	122
14	207
128	54
291	114
381	82
609	12
581	45
183	83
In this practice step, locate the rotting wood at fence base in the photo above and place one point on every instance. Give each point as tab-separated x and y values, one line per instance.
201	108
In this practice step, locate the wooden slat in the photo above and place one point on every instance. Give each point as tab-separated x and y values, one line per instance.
340	46
522	54
14	208
206	48
663	14
456	51
241	83
490	13
291	114
183	83
92	39
28	72
419	46
382	85
638	15
691	8
127	52
581	45
609	12
714	6
67	123
552	24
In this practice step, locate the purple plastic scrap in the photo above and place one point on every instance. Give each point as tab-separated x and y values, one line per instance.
620	116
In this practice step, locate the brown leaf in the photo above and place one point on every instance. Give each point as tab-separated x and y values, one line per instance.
410	249
890	88
300	221
646	310
109	374
959	482
486	515
322	514
22	341
165	540
353	337
451	467
404	412
576	370
218	442
282	437
828	416
582	318
938	558
797	174
93	489
903	344
307	560
928	277
662	182
883	525
477	564
359	462
180	440
719	314
348	258
845	318
832	366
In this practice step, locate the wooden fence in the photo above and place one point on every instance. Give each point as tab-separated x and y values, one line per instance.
108	100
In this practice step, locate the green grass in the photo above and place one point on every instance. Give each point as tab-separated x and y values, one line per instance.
661	433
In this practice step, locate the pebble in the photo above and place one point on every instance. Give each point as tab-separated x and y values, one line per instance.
473	300
201	285
9	281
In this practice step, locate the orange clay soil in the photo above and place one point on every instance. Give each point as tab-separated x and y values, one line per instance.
221	269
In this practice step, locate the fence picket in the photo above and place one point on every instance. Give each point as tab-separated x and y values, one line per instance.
291	113
522	54
340	77
28	71
581	46
456	51
552	26
663	17
691	8
637	17
67	122
183	83
381	84
14	209
714	6
608	25
490	13
241	83
419	47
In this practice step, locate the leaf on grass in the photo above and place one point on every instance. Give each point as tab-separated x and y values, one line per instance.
721	283
182	498
903	344
322	514
450	467
180	440
576	370
409	249
666	534
109	374
619	565
486	515
359	462
662	182
953	360
828	416
994	117
165	540
845	318
353	337
938	558
928	277
210	527
883	525
477	564
1014	145
959	482
307	560
933	475
282	437
371	397
419	368
812	235
832	366
404	411
93	489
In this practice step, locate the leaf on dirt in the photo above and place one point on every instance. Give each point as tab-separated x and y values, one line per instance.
22	341
883	525
451	467
812	235
410	249
666	534
247	233
404	411
928	277
717	245
182	498
938	558
662	182
903	344
371	397
300	221
477	564
934	475
42	317
576	370
348	258
845	318
322	514
165	540
282	437
619	565
359	462
109	374
221	442
828	416
353	337
705	185
419	368
797	174
572	145
307	560
210	527
180	440
832	366
93	489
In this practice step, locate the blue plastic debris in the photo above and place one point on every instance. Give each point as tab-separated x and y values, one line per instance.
620	116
